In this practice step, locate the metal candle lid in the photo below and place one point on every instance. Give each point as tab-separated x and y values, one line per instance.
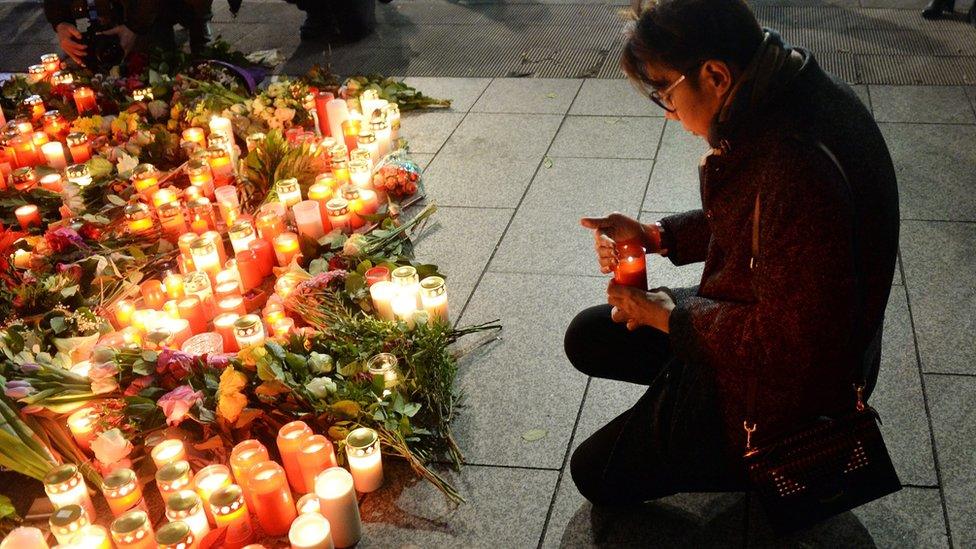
33	100
172	471
405	276
76	138
62	477
130	522
143	171
247	325
349	192
65	516
184	500
77	171
337	206
118	479
366	137
227	499
197	166
241	229
433	286
202	246
362	441
174	533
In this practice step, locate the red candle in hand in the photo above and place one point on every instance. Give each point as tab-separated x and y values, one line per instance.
631	266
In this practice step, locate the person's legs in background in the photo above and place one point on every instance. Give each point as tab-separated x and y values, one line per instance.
197	23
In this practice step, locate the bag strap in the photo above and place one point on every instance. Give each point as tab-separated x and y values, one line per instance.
752	388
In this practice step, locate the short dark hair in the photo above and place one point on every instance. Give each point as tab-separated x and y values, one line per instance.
683	34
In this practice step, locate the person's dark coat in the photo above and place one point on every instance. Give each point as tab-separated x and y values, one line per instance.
138	15
791	316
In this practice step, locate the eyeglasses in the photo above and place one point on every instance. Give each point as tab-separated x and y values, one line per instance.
663	98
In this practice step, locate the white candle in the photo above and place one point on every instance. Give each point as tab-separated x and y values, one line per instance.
382	294
54	154
186	506
168	451
433	294
365	459
222	126
309	503
289	192
227	202
249	331
310	531
24	537
64	485
335	490
308	219
241	234
404	306
337	113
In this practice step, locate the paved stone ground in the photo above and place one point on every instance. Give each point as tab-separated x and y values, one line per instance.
516	162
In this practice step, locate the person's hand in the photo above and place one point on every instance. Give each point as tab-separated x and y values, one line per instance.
610	230
636	308
127	38
70	40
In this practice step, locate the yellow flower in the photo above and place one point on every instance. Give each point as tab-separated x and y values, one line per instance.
230	401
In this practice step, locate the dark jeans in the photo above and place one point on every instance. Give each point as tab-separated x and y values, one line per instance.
670	441
192	15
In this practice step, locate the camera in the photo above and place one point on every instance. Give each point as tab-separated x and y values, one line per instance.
101	52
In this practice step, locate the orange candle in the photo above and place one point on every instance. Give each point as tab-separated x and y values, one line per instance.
270	221
314	456
123	313
79	146
290	438
245	455
84	100
145	180
168	451
232	304
25	153
82	426
631	269
174	285
210	479
200	176
230	511
123	492
350	132
54	155
265	255
321	192
224	325
153	294
191	309
250	269
29	215
195	135
286	248
273	503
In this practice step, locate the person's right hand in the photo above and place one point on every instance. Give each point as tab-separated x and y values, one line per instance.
610	230
70	40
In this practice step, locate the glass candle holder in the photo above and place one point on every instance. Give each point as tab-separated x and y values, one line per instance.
185	506
51	62
286	248
270	221
84	100
404	308
133	530
250	268
273	503
123	492
231	304
67	521
407	282
123	313
433	296
224	325
309	503
82	424
173	282
221	166
381	129
205	257
78	174
393	116
64	485
173	478
201	215
92	536
255	140
308	219
228	203
54	155
377	274
382	293
62	78
25	153
209	480
230	511
200	176
249	331
24	537
385	366
359	173
24	178
54	124
365	459
172	221
195	135
289	192
145	180
245	455
340	171
310	531
315	454
138	218
176	535
631	267
290	438
367	141
79	147
339	215
337	495
34	105
191	307
241	234
321	193
168	451
361	155
52	182
206	343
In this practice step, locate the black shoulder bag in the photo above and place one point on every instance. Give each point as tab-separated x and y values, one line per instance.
830	465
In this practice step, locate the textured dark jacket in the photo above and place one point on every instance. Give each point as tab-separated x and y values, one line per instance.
138	15
792	316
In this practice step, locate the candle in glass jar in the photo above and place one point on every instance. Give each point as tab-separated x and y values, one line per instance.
310	531
377	274
289	192
359	174
200	176
84	100
82	424
24	537
273	503
308	219
176	535
34	105
162	197
249	331
187	507
153	294
52	182
228	203
206	259
64	485
123	313
339	215
404	307
241	234
67	521
309	503
24	178
174	285
265	254
433	295
209	480
368	142
79	147
290	438
224	325
145	180
350	132
54	154
193	311
315	454
270	221
337	497
243	457
28	216
133	530
195	135
203	215
54	125
231	304
286	248
382	294
123	492
168	451
222	126
250	268
381	129
321	193
221	168
384	365
172	478
365	459
254	140
92	536
631	267
230	511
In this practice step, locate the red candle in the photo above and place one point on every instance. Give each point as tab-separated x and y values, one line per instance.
314	456
195	135
631	266
270	222
192	310
84	100
250	267
377	274
153	294
286	248
273	504
321	99
265	255
290	438
28	215
24	150
79	146
224	325
350	132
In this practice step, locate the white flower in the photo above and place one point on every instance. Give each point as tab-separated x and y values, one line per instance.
320	363
321	387
284	114
353	245
158	109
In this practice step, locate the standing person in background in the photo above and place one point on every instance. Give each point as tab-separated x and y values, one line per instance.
338	20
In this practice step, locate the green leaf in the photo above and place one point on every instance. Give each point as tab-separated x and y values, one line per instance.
69	291
276	350
411	409
379	383
143	368
115	200
533	435
547	162
7	509
59	324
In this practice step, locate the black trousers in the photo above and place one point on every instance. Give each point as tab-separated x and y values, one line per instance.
672	439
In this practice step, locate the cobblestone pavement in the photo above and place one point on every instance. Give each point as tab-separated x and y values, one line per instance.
516	161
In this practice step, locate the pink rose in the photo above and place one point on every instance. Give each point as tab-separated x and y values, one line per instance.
102	378
111	447
177	403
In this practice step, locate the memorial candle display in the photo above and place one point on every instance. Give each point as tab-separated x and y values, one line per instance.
176	535
187	507
25	154
365	459
35	107
631	267
54	125
308	219
339	215
337	497
359	173
251	269
67	521
64	485
82	423
123	492
79	147
54	155
52	182
92	536
173	283
407	282
200	176
273	503
168	451
433	296
202	215
368	142
377	274
230	511
290	438
84	100
173	478
310	531
133	530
